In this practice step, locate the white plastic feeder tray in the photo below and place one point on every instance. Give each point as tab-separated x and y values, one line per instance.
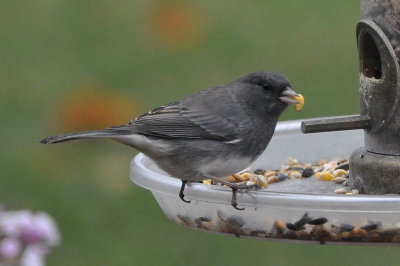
350	218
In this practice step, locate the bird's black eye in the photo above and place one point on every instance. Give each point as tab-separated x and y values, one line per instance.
267	87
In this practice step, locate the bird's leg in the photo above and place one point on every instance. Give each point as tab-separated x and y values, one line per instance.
181	195
235	187
233	201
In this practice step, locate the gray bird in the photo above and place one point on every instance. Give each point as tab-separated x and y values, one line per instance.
208	134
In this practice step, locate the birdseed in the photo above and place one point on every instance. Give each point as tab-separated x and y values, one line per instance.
300	100
318	229
336	171
308	227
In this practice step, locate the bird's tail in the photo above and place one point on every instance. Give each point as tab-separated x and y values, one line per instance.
105	133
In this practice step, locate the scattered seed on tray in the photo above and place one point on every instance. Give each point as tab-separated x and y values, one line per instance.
336	171
307	172
306	228
340	191
371	226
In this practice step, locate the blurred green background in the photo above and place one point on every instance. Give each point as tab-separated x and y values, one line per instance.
75	65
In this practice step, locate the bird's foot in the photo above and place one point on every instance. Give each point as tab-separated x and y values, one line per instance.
235	187
233	201
181	195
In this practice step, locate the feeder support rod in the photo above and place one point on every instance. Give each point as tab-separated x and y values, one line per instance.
335	124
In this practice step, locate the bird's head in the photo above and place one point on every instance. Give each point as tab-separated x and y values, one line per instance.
272	90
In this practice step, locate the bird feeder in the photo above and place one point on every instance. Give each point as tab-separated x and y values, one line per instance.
308	209
374	168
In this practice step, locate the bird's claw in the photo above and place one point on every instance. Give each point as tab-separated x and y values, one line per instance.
234	187
237	208
181	195
233	201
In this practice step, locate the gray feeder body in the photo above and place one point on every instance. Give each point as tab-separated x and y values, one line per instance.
375	168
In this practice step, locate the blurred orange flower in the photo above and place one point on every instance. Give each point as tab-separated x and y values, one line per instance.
95	108
175	23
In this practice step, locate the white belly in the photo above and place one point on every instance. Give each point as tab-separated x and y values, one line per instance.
223	167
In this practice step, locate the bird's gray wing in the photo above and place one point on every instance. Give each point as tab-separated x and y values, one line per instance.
173	121
215	111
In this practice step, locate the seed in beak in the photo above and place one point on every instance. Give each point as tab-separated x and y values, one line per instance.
300	102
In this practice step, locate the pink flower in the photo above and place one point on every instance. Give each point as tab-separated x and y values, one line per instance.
9	248
30	228
27	236
33	256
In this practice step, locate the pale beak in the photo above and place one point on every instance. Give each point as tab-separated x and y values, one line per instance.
287	96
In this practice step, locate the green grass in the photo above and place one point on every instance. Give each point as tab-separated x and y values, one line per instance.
50	49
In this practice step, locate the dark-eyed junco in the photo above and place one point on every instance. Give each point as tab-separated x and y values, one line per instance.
208	134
